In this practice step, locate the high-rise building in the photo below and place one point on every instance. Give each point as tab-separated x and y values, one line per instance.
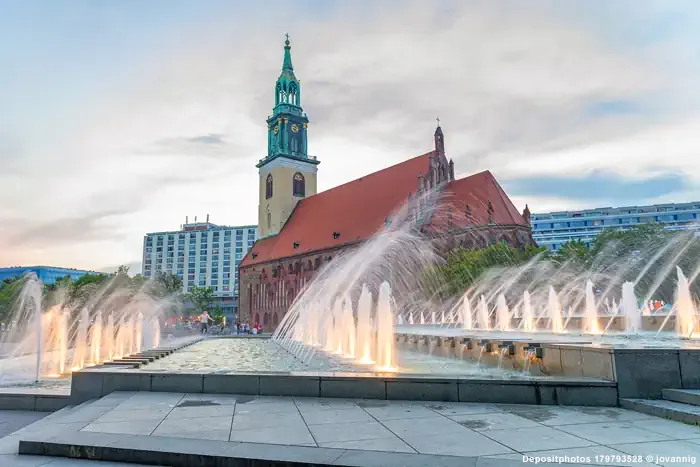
203	255
553	229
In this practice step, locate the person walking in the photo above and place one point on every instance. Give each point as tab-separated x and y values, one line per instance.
204	322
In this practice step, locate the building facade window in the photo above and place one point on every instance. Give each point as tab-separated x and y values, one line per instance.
299	185
268	187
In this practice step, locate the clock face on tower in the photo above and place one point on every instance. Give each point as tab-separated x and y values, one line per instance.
295	128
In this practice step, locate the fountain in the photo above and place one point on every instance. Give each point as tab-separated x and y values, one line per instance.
528	324
502	314
64	338
591	313
685	308
483	314
466	313
374	297
633	315
554	311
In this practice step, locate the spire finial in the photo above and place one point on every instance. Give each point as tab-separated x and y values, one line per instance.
438	120
287	63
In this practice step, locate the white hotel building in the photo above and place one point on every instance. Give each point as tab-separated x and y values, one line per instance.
201	254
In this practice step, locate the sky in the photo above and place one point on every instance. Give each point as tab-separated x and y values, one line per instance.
119	118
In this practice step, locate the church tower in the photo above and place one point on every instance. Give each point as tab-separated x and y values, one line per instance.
287	174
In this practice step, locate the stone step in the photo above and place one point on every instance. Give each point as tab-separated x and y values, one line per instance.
671	410
139	360
122	364
685	396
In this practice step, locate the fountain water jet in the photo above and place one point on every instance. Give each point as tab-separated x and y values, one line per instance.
385	329
364	329
686	315
483	315
502	314
633	316
466	313
554	310
591	313
528	318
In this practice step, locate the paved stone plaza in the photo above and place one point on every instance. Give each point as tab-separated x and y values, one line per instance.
336	431
14	420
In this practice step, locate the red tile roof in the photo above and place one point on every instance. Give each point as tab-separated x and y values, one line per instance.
476	191
358	209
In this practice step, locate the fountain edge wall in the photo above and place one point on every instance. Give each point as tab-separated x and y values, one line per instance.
94	383
640	373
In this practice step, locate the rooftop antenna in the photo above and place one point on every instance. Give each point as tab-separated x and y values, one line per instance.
195	219
187	219
207	218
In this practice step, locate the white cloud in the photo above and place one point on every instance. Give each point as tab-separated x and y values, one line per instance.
510	82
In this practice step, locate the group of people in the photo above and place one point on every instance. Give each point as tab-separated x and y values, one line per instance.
241	328
244	328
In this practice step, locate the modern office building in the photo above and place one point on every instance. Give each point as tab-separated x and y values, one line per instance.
47	274
203	255
553	229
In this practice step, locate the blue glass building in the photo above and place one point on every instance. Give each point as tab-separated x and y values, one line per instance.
553	229
47	274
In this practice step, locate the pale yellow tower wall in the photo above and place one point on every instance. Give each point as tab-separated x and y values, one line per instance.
283	201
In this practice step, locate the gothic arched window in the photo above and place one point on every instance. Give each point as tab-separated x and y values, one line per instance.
269	219
299	185
293	94
268	187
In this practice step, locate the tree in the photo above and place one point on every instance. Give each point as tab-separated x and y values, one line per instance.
202	298
9	292
571	251
167	284
122	271
621	243
466	266
217	314
138	281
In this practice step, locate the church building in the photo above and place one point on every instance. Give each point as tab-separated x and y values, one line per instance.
300	230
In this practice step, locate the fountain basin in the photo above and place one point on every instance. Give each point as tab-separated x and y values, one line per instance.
641	365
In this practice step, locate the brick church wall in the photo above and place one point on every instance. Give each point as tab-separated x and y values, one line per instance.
267	290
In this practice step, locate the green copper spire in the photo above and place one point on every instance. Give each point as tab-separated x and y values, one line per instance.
287	126
287	63
288	91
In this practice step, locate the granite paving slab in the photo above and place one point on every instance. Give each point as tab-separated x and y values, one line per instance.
666	453
351	431
13	422
537	439
279	430
613	433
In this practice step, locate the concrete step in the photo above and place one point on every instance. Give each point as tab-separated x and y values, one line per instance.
671	410
685	396
122	364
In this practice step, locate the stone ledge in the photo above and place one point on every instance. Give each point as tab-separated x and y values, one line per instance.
180	452
33	402
94	384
